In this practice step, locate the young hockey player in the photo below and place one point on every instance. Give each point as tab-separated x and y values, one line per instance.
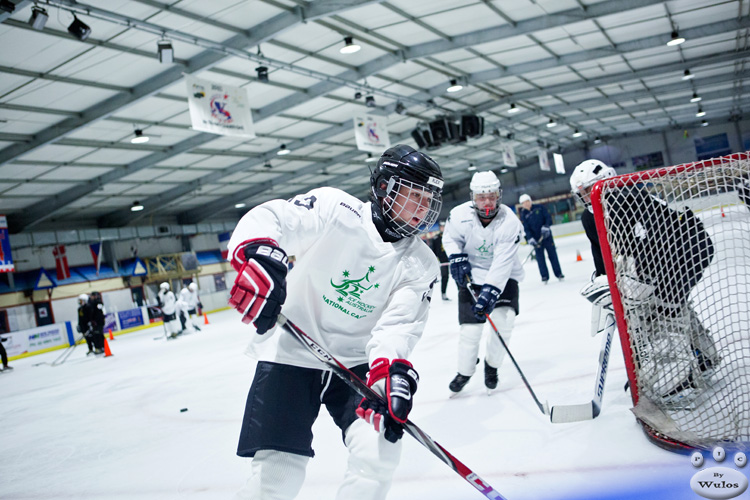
482	238
189	296
652	241
361	287
84	317
168	304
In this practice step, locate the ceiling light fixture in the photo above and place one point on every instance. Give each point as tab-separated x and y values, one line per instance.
400	108
79	29
704	123
267	165
358	95
38	18
695	98
687	75
165	51
136	207
503	170
262	74
283	150
349	46
370	101
513	109
598	140
700	112
140	137
471	167
551	123
675	39
577	133
370	158
239	205
454	86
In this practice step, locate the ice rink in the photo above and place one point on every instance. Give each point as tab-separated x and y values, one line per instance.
112	428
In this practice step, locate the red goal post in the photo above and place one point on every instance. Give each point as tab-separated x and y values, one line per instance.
676	247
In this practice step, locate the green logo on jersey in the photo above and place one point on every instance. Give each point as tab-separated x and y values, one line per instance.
350	291
485	250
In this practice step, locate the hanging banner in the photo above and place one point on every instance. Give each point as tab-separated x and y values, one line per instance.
371	133
61	262
96	253
543	159
223	244
6	259
219	109
559	163
509	156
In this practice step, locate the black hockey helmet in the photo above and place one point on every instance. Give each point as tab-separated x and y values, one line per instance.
403	169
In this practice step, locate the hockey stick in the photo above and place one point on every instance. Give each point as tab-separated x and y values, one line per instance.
544	408
533	251
587	411
354	382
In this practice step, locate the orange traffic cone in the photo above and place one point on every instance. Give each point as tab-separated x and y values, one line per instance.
578	256
205	318
111	337
107	352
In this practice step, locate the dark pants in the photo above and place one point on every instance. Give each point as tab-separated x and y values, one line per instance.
3	355
97	337
547	244
444	277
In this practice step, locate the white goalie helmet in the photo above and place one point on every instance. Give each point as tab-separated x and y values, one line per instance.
83	298
485	183
585	175
164	286
193	287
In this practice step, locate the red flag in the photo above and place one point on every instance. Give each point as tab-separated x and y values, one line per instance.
61	262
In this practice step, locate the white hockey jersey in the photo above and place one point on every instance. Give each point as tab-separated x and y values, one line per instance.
168	302
359	297
492	250
189	297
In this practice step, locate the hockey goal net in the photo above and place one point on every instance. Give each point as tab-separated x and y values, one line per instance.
676	245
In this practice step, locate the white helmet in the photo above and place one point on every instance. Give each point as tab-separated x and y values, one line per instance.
585	175
524	197
193	287
485	183
164	286
83	298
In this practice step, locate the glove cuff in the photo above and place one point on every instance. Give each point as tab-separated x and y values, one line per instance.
378	371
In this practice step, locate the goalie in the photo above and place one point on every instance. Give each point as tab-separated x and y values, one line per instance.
661	255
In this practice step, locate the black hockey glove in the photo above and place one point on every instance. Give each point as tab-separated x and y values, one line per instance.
486	301
397	382
260	287
460	268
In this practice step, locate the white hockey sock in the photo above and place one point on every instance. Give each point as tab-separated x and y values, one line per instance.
274	475
504	319
468	348
372	461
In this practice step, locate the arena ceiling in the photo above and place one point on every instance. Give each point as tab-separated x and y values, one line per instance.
69	107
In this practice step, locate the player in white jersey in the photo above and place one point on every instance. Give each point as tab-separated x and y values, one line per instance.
189	296
482	238
361	288
168	304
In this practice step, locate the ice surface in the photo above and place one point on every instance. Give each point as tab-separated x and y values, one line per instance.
111	428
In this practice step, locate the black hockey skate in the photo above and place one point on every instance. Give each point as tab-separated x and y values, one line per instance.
490	377
458	383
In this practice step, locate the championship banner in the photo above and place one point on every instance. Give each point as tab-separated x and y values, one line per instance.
543	159
219	109
371	133
6	259
509	156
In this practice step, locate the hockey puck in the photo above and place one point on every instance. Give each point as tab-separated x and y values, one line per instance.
183	410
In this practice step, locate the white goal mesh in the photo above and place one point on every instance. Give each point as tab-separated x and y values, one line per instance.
676	244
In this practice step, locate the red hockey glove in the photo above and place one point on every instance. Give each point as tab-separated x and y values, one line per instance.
401	382
260	287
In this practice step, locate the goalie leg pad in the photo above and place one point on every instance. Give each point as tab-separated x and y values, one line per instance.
371	464
504	319
468	348
274	475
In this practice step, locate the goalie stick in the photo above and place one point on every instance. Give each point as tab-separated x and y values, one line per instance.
587	411
354	382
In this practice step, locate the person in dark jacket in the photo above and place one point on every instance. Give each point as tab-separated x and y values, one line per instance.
436	244
536	224
96	320
4	355
84	319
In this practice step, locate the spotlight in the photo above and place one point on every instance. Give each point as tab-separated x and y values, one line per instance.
704	123
370	158
136	207
695	98
139	137
510	136
349	46
513	109
687	75
598	140
370	101
239	205
700	112
551	123
7	6
675	39
165	51
455	86
471	167
283	150
577	133
503	170
358	95
262	74
400	108
79	29
38	18
267	165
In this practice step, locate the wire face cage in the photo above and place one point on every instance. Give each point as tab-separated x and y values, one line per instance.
676	245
